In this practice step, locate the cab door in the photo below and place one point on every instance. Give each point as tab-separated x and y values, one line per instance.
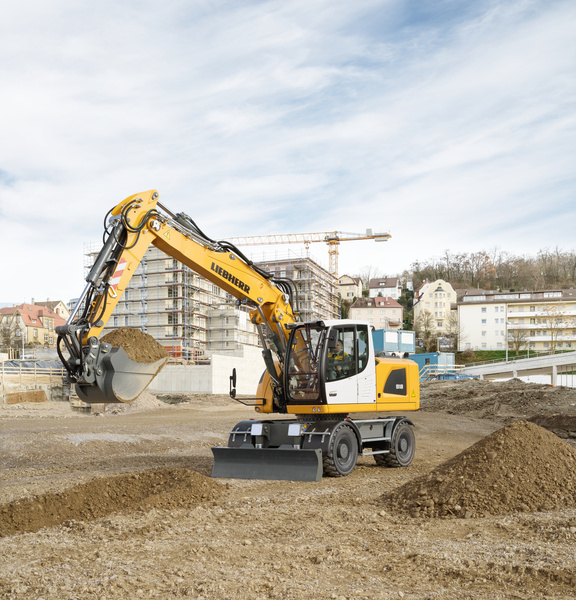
348	376
366	378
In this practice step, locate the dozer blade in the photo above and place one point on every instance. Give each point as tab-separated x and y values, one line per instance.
118	378
285	464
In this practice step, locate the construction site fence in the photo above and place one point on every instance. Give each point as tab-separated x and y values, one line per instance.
429	372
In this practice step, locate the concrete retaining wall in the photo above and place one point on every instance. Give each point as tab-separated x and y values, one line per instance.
215	377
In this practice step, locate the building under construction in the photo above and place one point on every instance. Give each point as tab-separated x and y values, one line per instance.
317	288
190	315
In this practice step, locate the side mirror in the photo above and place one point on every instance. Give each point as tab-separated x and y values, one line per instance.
332	339
233	384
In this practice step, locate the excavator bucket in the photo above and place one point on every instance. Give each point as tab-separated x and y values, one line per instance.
287	464
118	378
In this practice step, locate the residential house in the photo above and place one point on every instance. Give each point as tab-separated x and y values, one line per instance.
387	287
380	312
57	306
349	288
29	325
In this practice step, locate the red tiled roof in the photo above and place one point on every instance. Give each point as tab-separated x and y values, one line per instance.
32	314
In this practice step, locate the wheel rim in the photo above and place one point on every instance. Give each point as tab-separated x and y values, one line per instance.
404	447
345	451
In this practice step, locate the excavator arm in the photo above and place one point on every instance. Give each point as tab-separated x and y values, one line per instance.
105	374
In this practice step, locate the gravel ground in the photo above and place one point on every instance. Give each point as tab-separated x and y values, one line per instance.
78	522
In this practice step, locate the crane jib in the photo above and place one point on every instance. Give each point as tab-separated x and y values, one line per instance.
229	277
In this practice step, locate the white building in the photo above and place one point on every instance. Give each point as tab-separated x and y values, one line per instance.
542	321
435	302
389	286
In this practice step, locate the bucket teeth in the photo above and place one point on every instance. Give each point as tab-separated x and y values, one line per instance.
286	464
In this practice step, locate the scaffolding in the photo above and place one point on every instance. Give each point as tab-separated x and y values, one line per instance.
168	301
317	288
190	315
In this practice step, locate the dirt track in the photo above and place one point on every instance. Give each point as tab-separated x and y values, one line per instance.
204	538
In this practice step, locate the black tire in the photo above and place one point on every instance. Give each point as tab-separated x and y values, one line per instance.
402	447
342	453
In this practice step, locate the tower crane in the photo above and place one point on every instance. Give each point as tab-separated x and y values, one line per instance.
332	238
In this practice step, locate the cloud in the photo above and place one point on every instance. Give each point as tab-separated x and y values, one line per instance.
450	125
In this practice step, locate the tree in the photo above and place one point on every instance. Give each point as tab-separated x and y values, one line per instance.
555	318
367	273
424	328
518	339
10	333
452	330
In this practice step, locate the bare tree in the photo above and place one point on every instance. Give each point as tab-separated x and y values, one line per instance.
556	320
424	328
452	330
518	339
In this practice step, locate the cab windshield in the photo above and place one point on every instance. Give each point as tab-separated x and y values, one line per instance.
304	363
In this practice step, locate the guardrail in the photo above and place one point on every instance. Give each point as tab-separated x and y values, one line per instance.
512	359
10	372
428	372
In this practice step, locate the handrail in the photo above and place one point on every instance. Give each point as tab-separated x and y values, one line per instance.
515	358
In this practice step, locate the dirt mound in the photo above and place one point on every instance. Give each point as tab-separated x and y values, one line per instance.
163	488
519	468
499	400
139	346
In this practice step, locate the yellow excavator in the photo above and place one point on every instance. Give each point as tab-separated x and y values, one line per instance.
318	372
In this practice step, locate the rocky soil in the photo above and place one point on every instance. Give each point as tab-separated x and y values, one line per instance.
121	505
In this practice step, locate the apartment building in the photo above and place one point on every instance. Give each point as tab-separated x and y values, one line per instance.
317	288
189	315
542	321
170	302
433	303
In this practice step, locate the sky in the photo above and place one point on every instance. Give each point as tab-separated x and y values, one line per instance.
450	125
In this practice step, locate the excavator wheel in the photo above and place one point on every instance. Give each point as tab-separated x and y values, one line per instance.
402	447
342	454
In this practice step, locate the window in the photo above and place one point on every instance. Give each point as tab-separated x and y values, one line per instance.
484	309
484	321
483	334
